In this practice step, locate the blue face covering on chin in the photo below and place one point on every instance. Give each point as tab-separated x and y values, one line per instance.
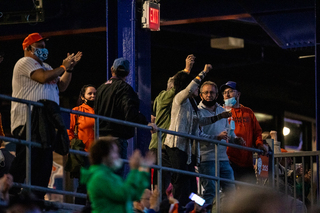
41	53
230	102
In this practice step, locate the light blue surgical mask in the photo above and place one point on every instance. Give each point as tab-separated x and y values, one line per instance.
41	53
117	164
230	102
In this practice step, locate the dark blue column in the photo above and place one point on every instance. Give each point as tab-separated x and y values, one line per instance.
111	34
143	63
317	80
134	45
317	71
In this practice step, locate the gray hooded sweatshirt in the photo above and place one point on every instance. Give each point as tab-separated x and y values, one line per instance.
207	150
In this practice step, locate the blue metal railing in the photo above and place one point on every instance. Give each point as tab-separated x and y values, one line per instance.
159	167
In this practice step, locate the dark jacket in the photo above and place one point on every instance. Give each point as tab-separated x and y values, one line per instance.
6	163
76	161
117	99
48	127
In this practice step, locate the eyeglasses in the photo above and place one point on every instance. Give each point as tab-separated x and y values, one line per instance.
208	92
228	92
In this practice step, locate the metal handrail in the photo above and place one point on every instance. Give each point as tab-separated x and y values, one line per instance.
132	124
297	154
303	155
160	130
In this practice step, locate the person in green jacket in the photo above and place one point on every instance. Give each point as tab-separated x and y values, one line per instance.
107	191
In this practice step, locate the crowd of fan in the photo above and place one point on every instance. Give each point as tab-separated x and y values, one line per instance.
109	187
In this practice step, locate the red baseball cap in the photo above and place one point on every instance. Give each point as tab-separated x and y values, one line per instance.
30	39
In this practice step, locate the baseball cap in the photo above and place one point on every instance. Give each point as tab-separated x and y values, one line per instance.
30	39
190	206
121	62
229	84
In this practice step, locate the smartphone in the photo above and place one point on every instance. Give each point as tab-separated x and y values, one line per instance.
196	198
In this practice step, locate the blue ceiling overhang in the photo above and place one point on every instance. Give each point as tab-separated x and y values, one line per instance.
290	24
275	34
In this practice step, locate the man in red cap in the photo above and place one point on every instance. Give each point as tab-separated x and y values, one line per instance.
35	80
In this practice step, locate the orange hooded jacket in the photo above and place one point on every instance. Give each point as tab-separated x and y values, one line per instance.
249	129
85	126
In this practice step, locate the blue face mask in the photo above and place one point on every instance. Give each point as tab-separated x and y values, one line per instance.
41	53
230	102
117	164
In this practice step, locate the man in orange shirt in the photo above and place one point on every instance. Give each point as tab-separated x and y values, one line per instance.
247	128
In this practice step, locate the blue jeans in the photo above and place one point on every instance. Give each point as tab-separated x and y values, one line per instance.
208	168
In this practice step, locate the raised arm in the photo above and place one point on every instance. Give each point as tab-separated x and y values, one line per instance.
189	63
193	85
66	77
45	76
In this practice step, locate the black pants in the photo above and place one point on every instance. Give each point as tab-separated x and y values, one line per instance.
82	188
166	175
41	165
245	174
182	184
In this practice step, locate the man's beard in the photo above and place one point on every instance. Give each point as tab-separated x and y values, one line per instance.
209	103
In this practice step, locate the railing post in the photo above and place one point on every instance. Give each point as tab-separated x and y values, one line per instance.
302	180
294	185
318	178
159	163
28	148
311	182
286	175
317	88
271	163
277	172
96	128
197	170
217	174
294	182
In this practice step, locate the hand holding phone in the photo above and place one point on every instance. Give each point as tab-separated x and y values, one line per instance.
196	198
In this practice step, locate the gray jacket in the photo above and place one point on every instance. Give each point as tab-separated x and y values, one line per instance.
207	150
185	119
